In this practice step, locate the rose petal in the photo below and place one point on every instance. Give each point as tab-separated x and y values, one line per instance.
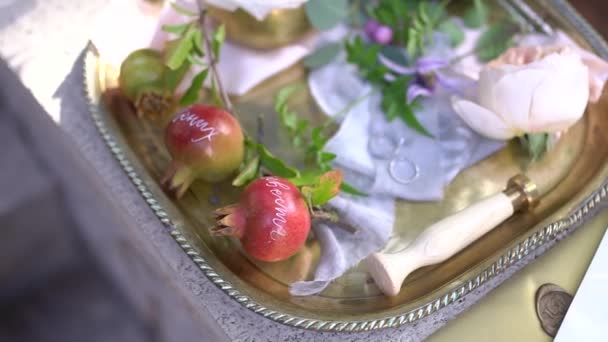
560	100
512	95
482	120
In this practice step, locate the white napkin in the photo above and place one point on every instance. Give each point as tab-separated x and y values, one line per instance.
125	26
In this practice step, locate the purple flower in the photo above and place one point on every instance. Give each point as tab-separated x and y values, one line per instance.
415	90
383	35
377	32
370	28
426	74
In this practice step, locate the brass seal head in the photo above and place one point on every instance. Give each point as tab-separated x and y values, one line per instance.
522	192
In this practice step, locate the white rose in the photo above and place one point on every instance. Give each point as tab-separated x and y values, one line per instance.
257	8
546	93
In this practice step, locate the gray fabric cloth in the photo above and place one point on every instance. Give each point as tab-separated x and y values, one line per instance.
340	249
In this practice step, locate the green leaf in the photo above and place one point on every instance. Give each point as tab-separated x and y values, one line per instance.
410	119
322	56
176	29
307	194
536	144
280	101
412	43
394	104
394	54
422	13
477	15
325	14
328	187
495	40
174	77
179	50
289	120
351	190
391	13
192	94
182	10
306	178
275	165
218	39
301	127
194	60
249	172
365	57
453	31
197	42
385	16
435	11
327	156
318	138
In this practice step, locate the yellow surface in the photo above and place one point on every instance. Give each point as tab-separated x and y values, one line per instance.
508	313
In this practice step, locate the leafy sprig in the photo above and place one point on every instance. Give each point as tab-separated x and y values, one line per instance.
310	139
194	47
318	184
316	187
412	22
394	103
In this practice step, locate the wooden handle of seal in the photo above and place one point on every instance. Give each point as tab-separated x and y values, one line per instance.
447	237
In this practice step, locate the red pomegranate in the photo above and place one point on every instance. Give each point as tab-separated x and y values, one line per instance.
206	142
271	219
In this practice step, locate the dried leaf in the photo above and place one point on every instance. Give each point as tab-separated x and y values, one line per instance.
327	187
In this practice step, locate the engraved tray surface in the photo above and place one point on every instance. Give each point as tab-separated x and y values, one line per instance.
353	303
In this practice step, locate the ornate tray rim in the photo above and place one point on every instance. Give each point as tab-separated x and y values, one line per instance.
538	237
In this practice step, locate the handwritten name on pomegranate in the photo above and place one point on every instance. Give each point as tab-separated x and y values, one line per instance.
202	125
280	210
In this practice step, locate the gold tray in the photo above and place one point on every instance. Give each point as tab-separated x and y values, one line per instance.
353	302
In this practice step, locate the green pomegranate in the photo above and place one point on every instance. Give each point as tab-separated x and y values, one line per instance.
143	80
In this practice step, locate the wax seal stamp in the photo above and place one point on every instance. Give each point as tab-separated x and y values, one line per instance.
552	303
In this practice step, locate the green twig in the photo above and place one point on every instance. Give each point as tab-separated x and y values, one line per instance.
212	59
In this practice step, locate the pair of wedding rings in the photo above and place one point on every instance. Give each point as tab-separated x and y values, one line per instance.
402	169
